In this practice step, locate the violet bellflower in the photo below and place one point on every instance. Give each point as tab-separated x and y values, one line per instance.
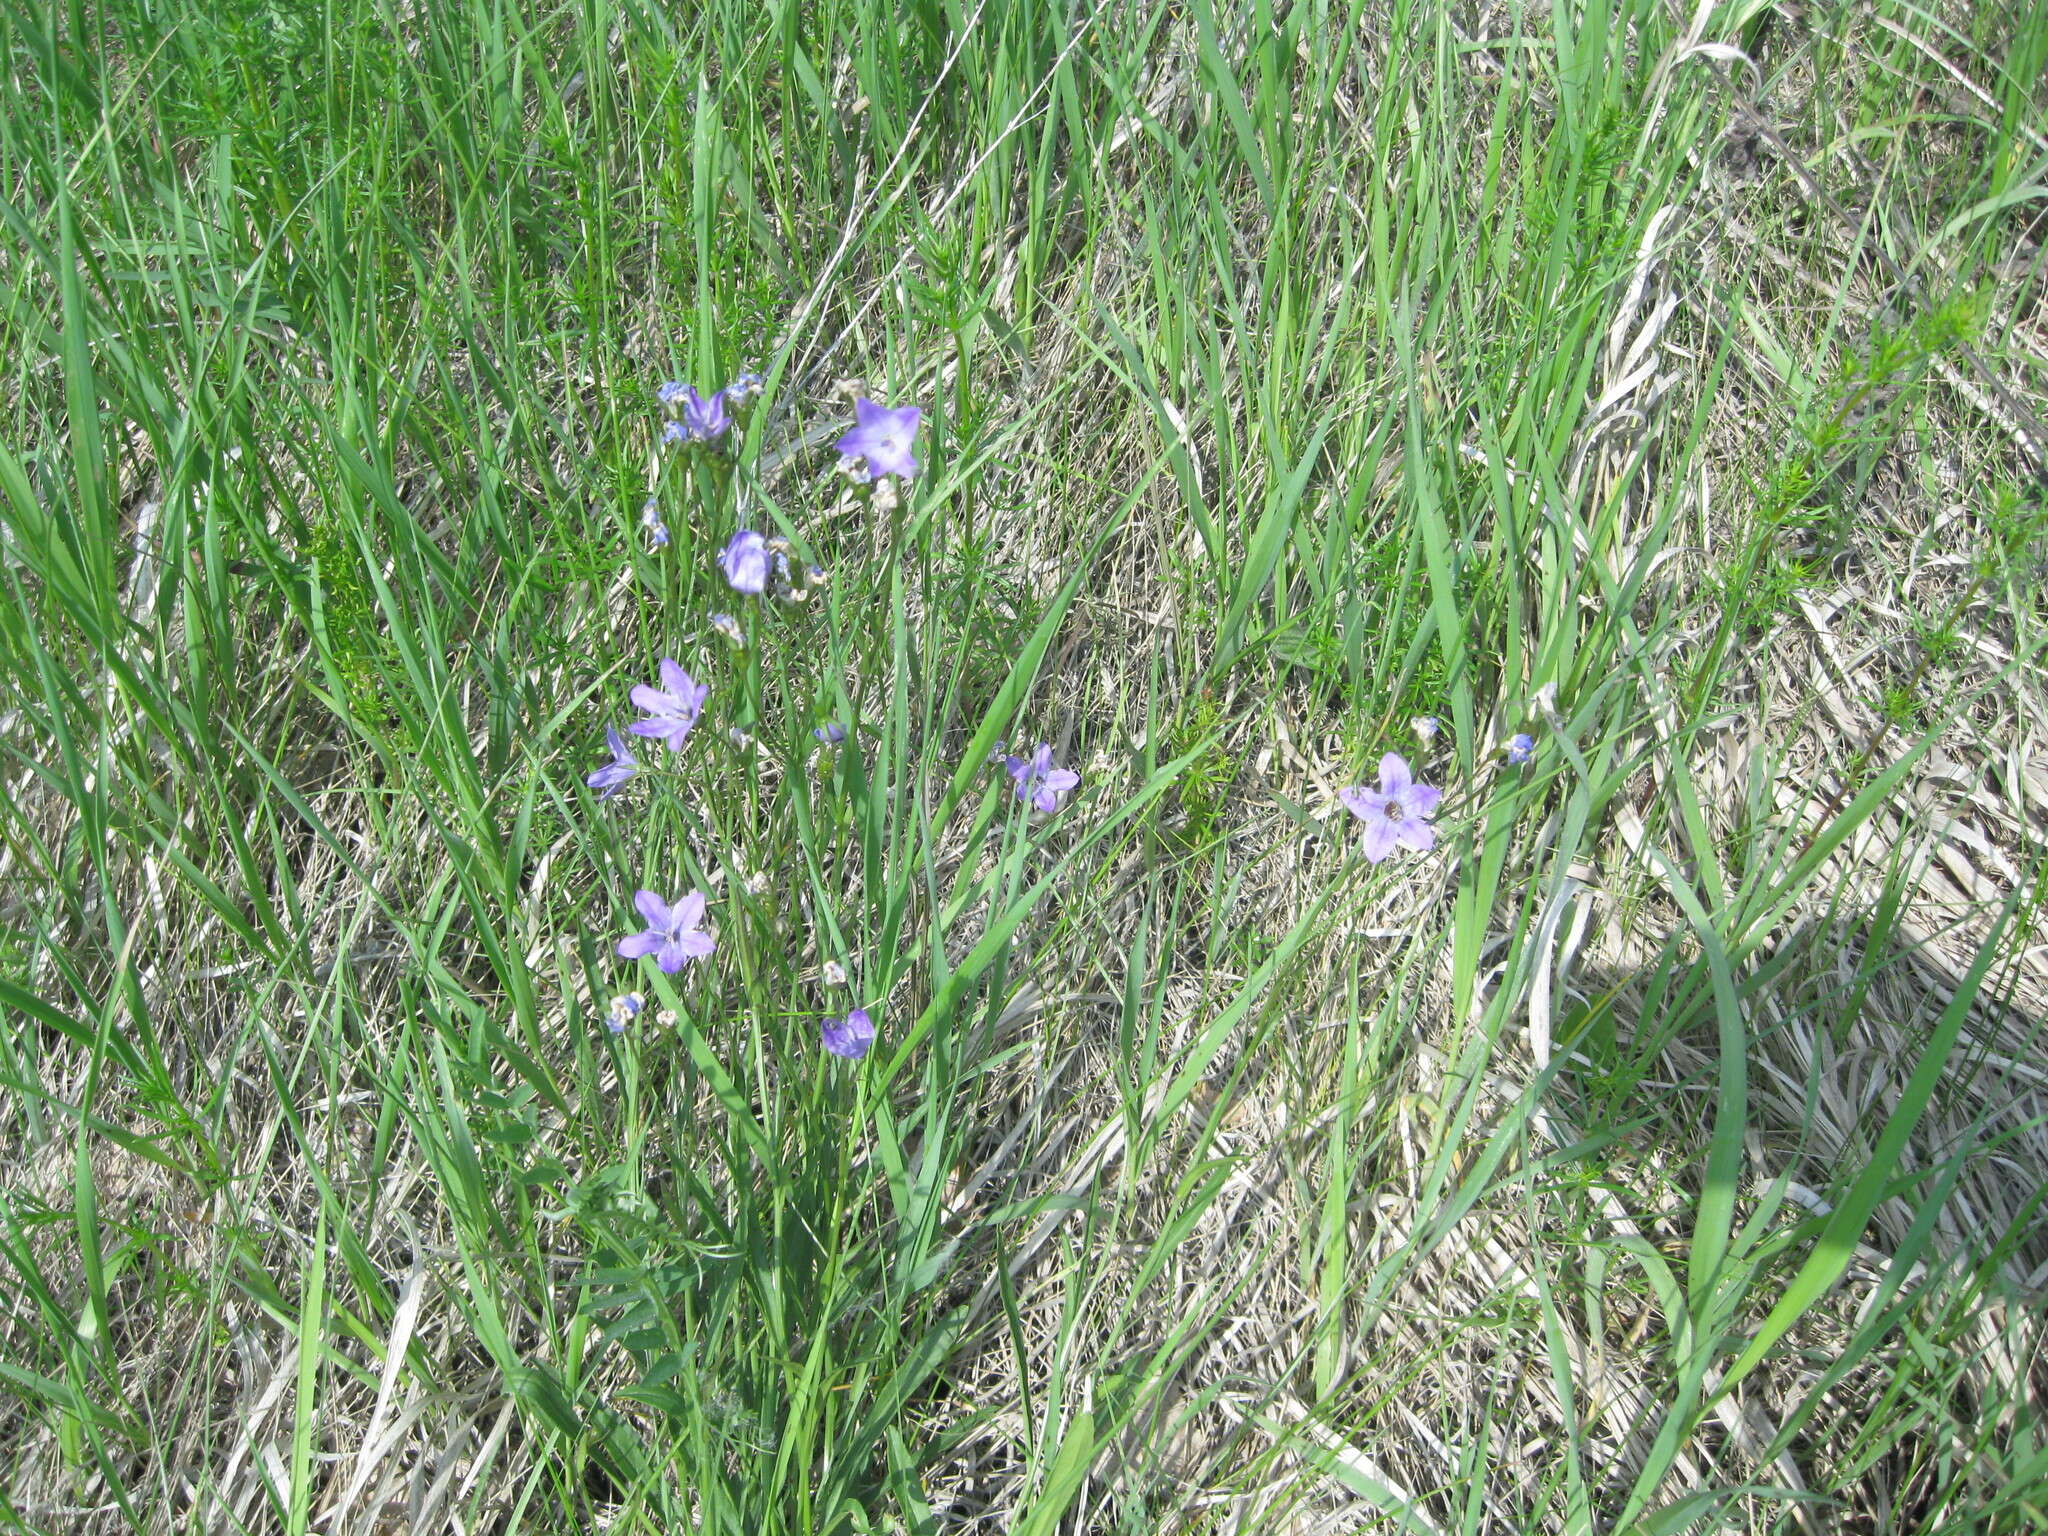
745	561
851	1036
697	420
624	1010
650	519
1521	747
1038	781
612	777
1397	812
672	709
882	439
831	733
674	934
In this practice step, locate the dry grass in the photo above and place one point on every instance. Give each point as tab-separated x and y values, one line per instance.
1367	1200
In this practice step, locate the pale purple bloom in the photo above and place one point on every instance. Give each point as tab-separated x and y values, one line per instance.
1521	747
729	627
624	1010
672	709
883	438
1397	812
650	519
1038	781
1424	727
831	733
835	974
674	934
744	388
745	561
671	393
851	1036
612	777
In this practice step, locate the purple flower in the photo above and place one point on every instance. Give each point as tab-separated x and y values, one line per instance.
729	627
1521	747
674	934
744	388
851	1036
1038	781
745	561
697	420
884	438
650	519
672	709
1397	812
624	1010
612	777
831	733
705	420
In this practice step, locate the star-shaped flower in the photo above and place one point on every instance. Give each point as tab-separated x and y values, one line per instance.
1397	812
1038	781
672	709
674	934
883	438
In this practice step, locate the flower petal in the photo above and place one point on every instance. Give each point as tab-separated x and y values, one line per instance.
675	679
1380	838
1060	780
653	909
689	911
695	944
1419	835
1362	802
635	945
1421	799
646	696
1394	775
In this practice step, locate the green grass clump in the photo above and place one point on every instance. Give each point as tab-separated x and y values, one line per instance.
1655	1152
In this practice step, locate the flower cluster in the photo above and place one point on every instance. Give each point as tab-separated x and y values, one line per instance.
880	451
